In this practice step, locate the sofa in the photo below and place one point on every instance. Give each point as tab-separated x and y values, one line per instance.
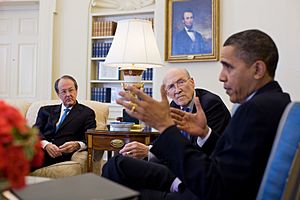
78	163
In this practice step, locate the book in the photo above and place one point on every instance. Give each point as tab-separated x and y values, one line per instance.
87	186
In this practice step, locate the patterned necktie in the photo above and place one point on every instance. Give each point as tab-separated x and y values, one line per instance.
185	134
66	111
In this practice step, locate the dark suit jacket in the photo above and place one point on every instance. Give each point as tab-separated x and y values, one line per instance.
216	113
73	127
183	44
235	168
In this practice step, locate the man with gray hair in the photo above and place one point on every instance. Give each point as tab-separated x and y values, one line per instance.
180	88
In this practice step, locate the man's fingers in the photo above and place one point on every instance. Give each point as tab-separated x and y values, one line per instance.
175	116
198	105
163	94
177	111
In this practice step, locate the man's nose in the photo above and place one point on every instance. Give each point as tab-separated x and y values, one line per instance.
222	76
68	92
177	88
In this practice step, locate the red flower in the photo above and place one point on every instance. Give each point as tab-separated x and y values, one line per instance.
3	157
38	158
20	147
17	166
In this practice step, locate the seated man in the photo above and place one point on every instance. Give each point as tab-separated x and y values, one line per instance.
180	87
62	127
235	167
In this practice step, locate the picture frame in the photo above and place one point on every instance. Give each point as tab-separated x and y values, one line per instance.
107	73
192	30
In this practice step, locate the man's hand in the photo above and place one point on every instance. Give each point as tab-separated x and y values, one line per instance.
69	147
193	123
53	150
154	113
135	150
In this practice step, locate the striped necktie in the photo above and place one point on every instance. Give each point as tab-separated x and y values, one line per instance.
66	111
185	134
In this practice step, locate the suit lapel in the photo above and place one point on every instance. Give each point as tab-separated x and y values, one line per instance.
56	114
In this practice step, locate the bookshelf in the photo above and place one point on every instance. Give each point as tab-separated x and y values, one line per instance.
104	83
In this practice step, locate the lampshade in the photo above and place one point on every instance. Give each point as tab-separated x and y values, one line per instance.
134	46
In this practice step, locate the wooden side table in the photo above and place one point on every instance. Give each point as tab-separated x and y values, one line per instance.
112	141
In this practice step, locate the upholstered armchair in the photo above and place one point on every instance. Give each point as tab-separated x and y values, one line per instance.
78	163
282	175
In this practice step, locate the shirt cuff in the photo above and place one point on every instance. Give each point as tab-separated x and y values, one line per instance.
44	143
201	141
174	187
82	146
150	155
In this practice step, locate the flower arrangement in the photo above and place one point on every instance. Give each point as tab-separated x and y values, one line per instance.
20	148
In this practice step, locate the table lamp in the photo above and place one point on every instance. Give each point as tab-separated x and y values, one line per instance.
133	49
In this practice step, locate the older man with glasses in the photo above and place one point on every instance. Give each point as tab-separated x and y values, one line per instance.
180	87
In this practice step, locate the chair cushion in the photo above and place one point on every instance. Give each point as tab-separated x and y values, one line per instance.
59	170
81	158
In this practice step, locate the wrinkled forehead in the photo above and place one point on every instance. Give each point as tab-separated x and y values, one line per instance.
174	76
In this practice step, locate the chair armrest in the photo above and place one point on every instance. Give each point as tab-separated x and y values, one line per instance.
81	158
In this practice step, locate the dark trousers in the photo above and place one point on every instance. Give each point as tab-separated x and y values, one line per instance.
152	180
48	160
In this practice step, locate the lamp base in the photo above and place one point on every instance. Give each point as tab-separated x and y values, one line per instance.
132	77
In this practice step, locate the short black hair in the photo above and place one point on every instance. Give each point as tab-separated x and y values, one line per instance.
65	77
252	45
187	10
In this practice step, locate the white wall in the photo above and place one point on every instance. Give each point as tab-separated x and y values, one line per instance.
276	17
71	42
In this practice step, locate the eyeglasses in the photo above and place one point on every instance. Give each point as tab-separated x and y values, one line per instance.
179	83
64	92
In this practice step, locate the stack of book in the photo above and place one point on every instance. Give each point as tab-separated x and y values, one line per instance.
101	94
100	49
148	91
104	28
147	74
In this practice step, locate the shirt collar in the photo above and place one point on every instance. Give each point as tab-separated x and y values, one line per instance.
187	30
63	107
250	96
190	105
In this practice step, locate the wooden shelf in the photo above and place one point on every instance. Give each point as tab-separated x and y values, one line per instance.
102	37
94	85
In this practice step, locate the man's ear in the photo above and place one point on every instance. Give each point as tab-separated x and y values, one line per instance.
260	69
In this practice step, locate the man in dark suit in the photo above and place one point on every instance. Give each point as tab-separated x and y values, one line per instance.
62	127
180	87
235	168
188	41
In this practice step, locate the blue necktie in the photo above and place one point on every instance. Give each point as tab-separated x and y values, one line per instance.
66	111
185	134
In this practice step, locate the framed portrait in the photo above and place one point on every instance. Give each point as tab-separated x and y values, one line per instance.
107	73
192	30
